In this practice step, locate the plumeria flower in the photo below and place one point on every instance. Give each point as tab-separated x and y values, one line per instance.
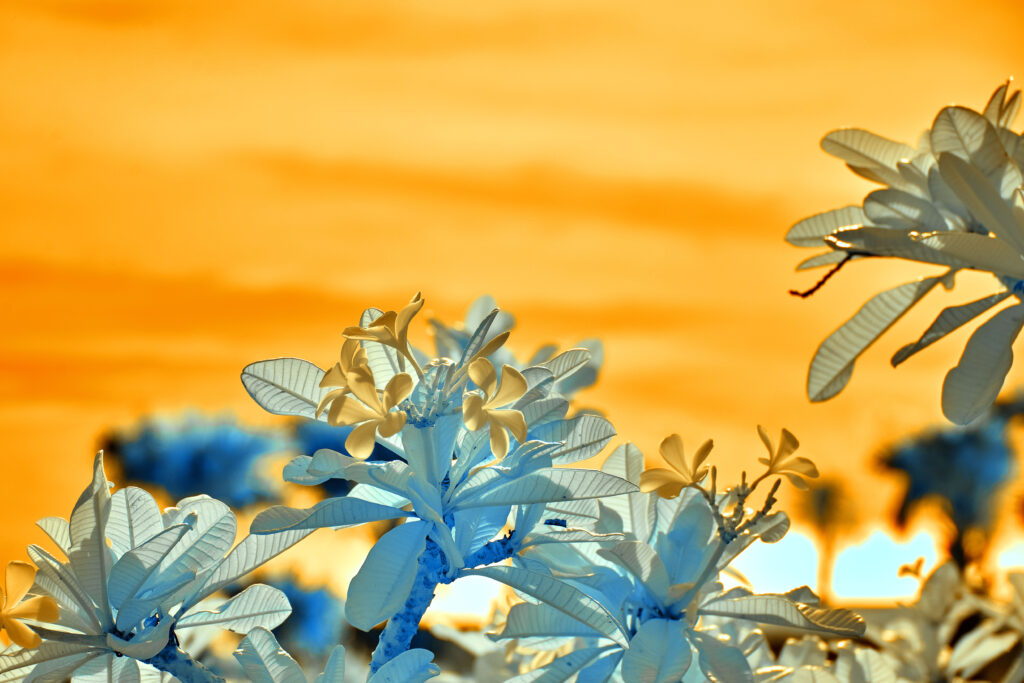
368	411
779	461
352	356
955	201
392	329
478	411
13	610
669	482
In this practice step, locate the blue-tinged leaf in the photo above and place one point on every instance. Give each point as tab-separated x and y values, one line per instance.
555	534
559	595
640	560
297	472
473	528
134	519
285	386
583	436
334	671
89	555
561	669
546	485
949	319
689	543
252	552
658	653
333	512
478	339
59	532
721	663
258	605
429	450
412	666
49	661
158	595
108	668
567	363
383	360
373	494
600	671
637	510
545	410
782	611
968	135
384	581
264	661
136	567
528	620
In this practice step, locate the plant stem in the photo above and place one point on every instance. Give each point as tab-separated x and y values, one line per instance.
179	664
398	634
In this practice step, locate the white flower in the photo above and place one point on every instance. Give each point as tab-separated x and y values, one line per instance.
955	201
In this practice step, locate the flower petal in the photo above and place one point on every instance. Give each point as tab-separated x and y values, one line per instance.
671	450
473	411
39	608
787	444
513	386
20	577
512	420
392	424
406	315
335	377
360	383
21	634
348	410
499	440
361	440
398	389
667	483
483	375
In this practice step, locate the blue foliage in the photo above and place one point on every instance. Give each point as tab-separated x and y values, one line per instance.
198	454
310	436
316	622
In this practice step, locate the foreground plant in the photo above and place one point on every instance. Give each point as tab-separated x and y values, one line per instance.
954	201
479	454
659	585
135	580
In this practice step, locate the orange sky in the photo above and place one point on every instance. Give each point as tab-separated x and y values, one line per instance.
189	186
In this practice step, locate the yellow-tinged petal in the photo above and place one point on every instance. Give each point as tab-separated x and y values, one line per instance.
21	634
360	383
406	315
349	411
499	440
352	354
39	608
659	478
513	386
473	411
512	420
671	450
398	389
787	445
392	424
361	440
702	453
335	377
802	466
491	346
766	440
328	399
20	577
483	375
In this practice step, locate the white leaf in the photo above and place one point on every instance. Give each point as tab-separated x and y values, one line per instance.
89	556
384	581
133	571
333	512
203	546
559	595
527	619
258	605
971	386
833	362
781	611
899	209
252	552
560	669
982	199
285	386
383	360
640	560
721	663
545	410
109	668
658	653
64	584
905	244
950	319
979	647
811	231
828	258
264	661
862	149
53	657
969	136
59	531
583	436
134	519
567	363
412	666
546	485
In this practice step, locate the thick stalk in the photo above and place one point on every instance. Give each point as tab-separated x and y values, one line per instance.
397	635
179	664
